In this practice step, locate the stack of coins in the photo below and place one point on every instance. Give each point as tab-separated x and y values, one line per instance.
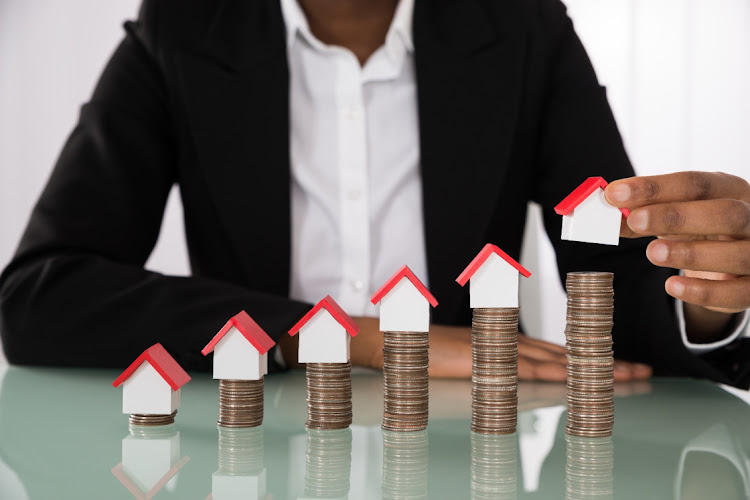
240	451
405	465
589	468
328	463
494	465
590	358
240	403
329	395
151	420
494	379
406	381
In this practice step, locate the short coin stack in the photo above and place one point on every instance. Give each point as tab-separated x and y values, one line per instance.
590	358
494	379
494	466
151	420
589	468
328	463
240	451
406	381
329	395
240	403
405	465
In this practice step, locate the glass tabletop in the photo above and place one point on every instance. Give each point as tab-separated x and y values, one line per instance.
63	435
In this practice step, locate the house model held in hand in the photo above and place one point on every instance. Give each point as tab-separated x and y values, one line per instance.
240	349
587	216
324	333
404	303
493	276
151	384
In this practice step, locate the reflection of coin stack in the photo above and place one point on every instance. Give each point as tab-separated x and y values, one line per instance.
494	460
240	403
494	387
590	358
589	468
328	463
406	382
329	395
405	465
240	451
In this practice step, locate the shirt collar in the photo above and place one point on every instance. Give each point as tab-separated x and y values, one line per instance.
400	31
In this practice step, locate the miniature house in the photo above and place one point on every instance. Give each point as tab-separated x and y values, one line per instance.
494	279
150	460
587	216
151	384
324	333
240	349
404	303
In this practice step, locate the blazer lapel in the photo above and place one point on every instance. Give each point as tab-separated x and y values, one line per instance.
236	93
469	77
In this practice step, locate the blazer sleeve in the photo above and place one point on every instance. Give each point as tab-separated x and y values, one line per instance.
76	292
578	139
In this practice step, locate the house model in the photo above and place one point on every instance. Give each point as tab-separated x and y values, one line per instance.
240	349
587	216
151	384
404	303
324	333
494	279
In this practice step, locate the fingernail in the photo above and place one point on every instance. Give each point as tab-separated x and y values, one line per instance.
638	221
619	193
675	288
641	367
657	251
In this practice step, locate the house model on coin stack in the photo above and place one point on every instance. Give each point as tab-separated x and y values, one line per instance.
587	216
325	333
151	384
240	349
404	303
493	277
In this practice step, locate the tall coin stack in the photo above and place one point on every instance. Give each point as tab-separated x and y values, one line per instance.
329	395
405	465
328	463
494	466
589	468
494	379
590	358
240	451
240	403
406	381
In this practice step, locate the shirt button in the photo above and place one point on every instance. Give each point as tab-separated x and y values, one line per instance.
358	285
355	194
353	112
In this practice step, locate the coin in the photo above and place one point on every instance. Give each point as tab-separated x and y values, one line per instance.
240	403
405	381
329	395
151	420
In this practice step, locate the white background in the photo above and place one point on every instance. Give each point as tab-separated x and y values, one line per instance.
677	73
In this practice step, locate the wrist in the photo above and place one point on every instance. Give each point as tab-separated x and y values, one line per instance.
366	348
705	326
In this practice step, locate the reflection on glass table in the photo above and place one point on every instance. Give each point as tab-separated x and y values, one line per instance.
61	434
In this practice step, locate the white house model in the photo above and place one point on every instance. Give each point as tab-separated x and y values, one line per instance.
587	216
493	277
324	333
240	349
404	303
151	384
150	460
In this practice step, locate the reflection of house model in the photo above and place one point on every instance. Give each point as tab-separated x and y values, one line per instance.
587	216
240	349
493	277
324	333
404	303
151	385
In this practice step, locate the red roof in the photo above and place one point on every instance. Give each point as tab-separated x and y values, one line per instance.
248	328
482	256
332	307
163	363
581	193
404	272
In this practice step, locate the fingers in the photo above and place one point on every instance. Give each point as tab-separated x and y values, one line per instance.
636	192
696	218
732	257
550	371
730	295
626	371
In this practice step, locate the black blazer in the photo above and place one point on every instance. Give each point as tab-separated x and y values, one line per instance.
197	94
